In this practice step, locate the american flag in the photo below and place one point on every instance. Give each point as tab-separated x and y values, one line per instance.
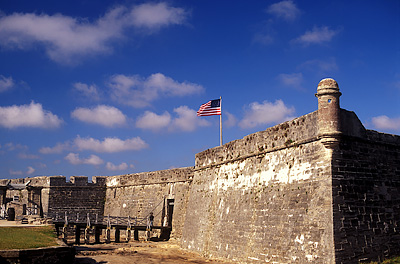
212	107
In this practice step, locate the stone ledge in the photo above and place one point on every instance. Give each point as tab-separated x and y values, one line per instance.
57	254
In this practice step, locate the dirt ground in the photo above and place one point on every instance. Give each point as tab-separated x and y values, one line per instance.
139	253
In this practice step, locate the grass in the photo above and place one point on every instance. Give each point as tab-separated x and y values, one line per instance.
395	260
27	237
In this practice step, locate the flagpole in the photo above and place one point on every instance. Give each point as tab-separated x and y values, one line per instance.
220	122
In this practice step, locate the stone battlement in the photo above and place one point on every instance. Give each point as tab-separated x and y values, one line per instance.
152	177
290	133
53	181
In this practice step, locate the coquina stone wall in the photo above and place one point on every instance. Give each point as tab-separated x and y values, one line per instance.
317	189
76	196
53	194
264	198
28	198
366	196
136	195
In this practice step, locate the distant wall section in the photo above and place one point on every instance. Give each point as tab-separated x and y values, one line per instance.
76	196
54	195
165	193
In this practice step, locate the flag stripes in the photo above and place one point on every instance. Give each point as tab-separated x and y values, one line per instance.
212	107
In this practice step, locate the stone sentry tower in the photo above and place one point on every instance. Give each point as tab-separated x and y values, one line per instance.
328	112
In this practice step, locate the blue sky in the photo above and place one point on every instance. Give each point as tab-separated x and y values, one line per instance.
112	87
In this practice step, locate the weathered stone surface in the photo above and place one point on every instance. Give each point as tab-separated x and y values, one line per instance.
264	204
319	189
137	195
50	255
366	197
53	194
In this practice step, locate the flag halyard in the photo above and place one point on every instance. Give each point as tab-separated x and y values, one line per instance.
212	107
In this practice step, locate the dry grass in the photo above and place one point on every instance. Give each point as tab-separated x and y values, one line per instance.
395	260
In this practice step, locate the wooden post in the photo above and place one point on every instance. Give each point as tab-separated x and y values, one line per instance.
87	235
117	235
65	234
97	233
128	234
108	235
77	235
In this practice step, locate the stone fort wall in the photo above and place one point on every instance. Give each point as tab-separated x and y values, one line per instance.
264	198
76	196
54	195
136	195
317	189
163	193
366	197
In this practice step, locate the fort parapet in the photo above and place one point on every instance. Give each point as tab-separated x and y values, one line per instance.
317	189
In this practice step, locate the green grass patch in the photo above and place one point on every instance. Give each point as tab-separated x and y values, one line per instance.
27	237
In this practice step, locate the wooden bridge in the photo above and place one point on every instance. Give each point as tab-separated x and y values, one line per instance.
93	225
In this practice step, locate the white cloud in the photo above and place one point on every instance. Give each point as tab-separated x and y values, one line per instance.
284	9
20	173
317	35
23	155
32	115
74	159
293	80
89	91
109	145
110	166
153	16
152	121
320	66
58	148
13	172
140	92
263	38
386	123
266	113
187	119
104	115
11	146
30	170
230	121
6	83
42	165
66	39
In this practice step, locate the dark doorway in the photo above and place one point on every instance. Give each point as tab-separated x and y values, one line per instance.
170	211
